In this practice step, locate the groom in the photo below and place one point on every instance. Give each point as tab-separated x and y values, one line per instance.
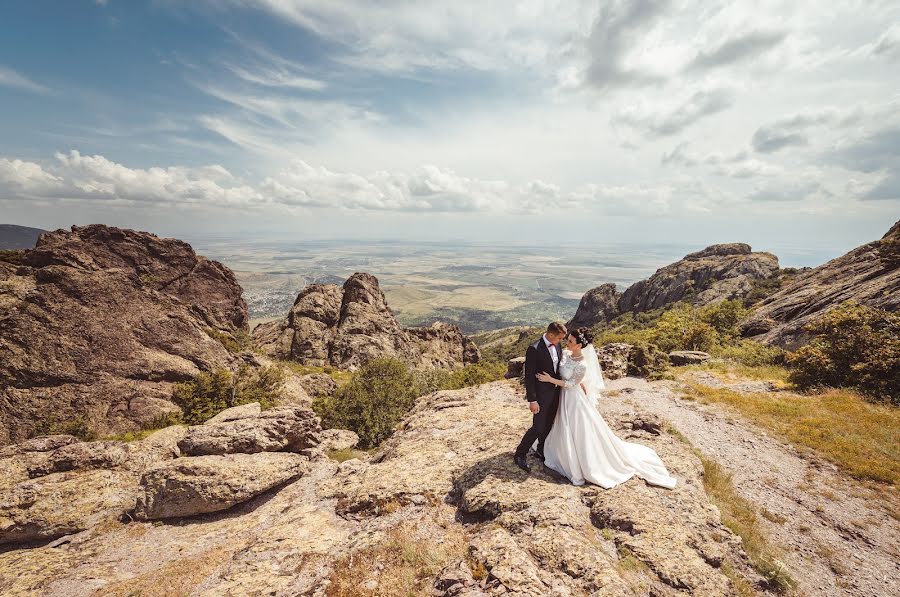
543	398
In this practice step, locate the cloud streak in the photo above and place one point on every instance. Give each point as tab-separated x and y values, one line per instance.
10	78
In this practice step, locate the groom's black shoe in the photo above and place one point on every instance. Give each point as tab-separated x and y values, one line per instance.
521	463
537	455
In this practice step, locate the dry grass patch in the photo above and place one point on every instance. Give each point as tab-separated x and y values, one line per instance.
404	564
174	579
732	371
739	515
861	438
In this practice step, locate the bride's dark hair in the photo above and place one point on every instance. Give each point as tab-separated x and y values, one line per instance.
583	336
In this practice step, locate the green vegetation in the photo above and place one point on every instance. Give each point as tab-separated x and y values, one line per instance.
856	347
13	256
77	426
233	342
210	393
502	350
147	429
383	391
339	376
739	515
840	425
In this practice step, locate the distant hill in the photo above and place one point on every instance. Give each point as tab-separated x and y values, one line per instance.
18	237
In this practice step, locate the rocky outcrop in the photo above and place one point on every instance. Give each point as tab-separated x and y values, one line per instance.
718	272
285	428
598	305
97	323
869	275
191	486
688	357
348	326
54	486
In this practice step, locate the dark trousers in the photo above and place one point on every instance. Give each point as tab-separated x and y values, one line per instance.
541	424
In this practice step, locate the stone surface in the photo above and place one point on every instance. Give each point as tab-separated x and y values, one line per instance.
614	359
191	486
688	357
244	411
515	368
598	305
319	385
716	273
98	322
82	456
63	503
291	428
869	275
338	439
348	326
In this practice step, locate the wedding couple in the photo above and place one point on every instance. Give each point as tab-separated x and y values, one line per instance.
562	389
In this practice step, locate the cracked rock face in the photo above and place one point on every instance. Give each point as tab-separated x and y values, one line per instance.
869	275
348	326
98	322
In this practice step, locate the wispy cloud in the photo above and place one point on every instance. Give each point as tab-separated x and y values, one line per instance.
745	46
10	78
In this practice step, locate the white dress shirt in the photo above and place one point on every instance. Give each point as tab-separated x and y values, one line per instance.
553	355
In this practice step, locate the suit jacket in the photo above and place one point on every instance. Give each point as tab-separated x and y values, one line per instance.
537	359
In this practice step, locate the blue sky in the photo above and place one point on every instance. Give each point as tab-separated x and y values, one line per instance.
775	123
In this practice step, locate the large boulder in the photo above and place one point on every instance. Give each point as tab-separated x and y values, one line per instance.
191	486
869	275
614	359
292	428
82	456
348	326
598	305
718	272
97	323
688	357
63	503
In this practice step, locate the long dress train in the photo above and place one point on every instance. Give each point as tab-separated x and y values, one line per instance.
582	447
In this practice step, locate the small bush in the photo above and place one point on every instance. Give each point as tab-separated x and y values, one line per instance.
233	342
648	361
372	403
76	426
856	347
682	328
211	393
753	354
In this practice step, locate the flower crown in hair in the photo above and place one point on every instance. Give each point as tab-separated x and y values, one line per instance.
581	339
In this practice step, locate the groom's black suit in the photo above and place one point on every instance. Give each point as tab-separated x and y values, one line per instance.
537	359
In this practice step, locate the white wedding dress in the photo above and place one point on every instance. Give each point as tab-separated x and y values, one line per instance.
581	445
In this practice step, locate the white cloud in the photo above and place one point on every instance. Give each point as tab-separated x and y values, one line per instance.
10	78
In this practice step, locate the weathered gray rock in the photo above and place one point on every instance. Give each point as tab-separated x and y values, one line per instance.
598	305
190	486
244	411
338	439
319	385
515	368
290	428
348	326
869	275
63	503
614	359
98	323
80	456
688	357
716	273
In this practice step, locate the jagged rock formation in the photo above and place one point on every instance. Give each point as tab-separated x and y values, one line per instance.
869	275
446	479
598	305
97	323
56	485
347	326
717	273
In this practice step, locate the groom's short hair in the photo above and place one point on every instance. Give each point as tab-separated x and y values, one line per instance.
556	327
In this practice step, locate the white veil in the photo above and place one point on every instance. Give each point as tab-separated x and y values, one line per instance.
593	377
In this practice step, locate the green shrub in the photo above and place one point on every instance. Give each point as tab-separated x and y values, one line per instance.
724	317
233	342
682	328
210	393
753	354
77	426
372	403
648	361
856	346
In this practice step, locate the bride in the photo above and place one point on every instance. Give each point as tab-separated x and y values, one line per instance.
581	445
